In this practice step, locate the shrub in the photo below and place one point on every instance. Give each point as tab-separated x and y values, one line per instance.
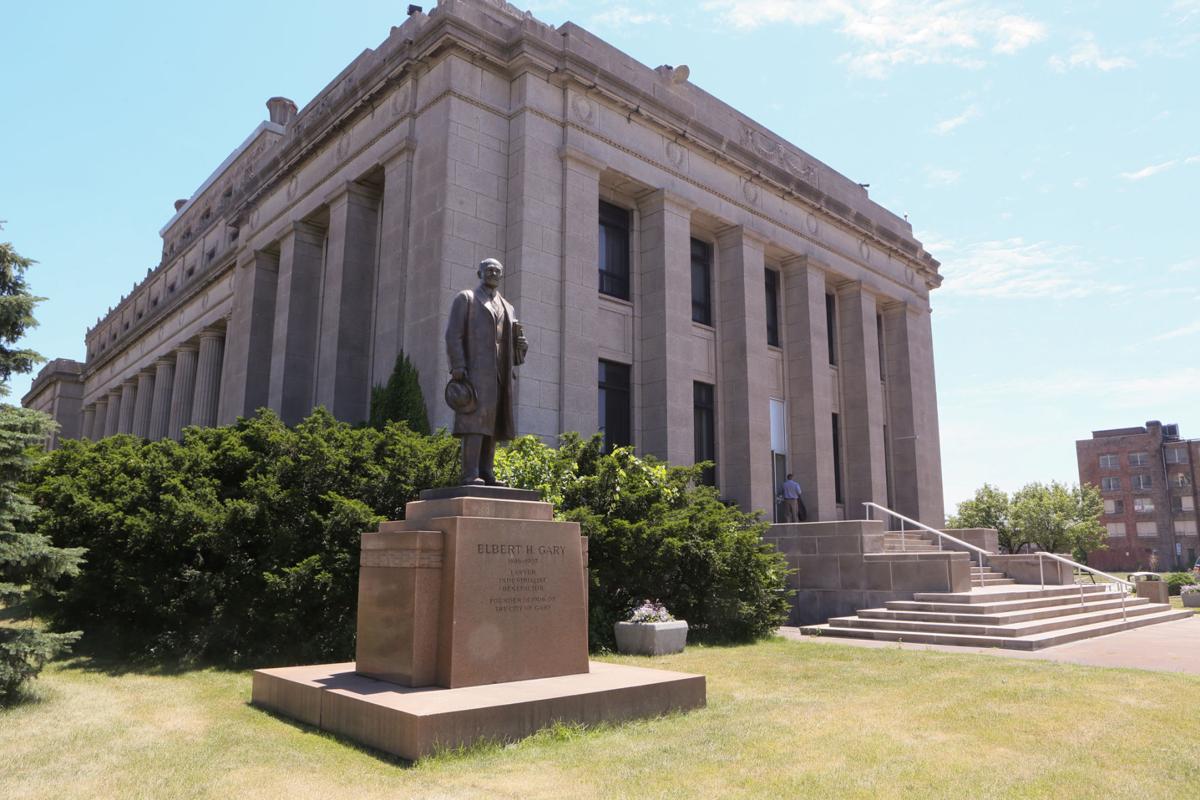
400	399
653	533
239	543
1177	580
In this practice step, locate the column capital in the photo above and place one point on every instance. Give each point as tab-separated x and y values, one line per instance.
212	332
314	234
402	152
664	199
573	155
188	346
351	191
164	361
795	262
730	236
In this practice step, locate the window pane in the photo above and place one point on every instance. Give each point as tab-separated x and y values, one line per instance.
837	459
704	429
613	400
614	251
831	326
701	283
772	282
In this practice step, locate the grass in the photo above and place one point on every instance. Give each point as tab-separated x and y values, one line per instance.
785	719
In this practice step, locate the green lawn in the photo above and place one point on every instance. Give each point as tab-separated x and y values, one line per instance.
785	719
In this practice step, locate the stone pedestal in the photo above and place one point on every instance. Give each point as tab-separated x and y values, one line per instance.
472	623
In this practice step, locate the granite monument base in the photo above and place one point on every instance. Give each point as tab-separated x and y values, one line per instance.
472	624
415	722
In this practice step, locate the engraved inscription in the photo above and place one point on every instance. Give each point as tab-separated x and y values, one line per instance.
522	582
412	559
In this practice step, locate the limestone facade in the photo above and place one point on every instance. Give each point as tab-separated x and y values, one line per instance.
336	236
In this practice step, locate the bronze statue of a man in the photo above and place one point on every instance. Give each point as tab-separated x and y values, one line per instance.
484	343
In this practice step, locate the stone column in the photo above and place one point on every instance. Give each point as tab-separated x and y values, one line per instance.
391	284
577	408
89	422
248	343
208	377
912	410
144	404
160	409
809	388
862	416
344	347
183	390
128	401
666	329
297	318
112	415
744	374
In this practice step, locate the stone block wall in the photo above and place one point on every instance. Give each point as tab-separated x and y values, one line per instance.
840	567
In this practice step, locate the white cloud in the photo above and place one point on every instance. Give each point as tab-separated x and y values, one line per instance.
1185	330
1013	269
887	33
1080	183
1118	390
1188	265
1086	54
1192	160
622	16
1185	9
947	125
1147	171
939	176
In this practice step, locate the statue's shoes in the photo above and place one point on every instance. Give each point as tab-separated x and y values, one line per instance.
475	482
490	480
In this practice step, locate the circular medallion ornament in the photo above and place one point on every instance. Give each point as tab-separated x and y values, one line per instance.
750	191
675	153
810	222
343	145
583	109
400	100
864	250
292	186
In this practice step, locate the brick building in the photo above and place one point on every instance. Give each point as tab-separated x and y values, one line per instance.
689	283
1147	477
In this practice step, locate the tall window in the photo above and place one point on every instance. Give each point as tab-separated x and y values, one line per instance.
1142	482
701	282
772	280
1110	484
614	251
837	459
1143	505
879	342
1139	459
704	424
1176	455
614	405
1108	461
831	326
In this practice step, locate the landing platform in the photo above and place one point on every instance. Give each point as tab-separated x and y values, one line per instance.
412	723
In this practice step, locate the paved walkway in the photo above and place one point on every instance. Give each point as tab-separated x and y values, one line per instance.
1166	647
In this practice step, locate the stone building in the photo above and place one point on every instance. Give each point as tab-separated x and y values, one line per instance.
689	283
1147	476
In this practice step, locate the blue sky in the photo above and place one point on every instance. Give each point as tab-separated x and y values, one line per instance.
1046	153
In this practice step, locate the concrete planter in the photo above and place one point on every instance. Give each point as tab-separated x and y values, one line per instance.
1191	599
651	638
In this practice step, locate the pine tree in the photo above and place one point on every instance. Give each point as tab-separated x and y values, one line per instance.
400	400
28	562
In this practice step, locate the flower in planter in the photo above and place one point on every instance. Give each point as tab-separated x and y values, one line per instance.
650	611
1189	589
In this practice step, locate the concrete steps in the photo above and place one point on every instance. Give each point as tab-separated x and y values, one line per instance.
1002	615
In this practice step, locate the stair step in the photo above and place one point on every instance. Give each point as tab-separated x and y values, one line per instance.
1018	592
1032	642
974	614
995	607
1013	630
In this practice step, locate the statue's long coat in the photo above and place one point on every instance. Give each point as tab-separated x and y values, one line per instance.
472	344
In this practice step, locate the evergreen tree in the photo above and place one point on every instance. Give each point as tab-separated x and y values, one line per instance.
400	400
28	562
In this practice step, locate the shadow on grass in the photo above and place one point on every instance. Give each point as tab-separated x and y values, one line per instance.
304	727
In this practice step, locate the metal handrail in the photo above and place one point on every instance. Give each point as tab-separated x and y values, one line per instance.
940	534
1112	578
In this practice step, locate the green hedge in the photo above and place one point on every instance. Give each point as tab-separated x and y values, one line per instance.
240	544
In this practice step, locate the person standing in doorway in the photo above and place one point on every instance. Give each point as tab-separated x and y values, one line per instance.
793	505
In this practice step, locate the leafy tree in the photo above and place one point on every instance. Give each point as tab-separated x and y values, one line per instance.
652	533
1059	518
989	508
1051	517
28	562
400	399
